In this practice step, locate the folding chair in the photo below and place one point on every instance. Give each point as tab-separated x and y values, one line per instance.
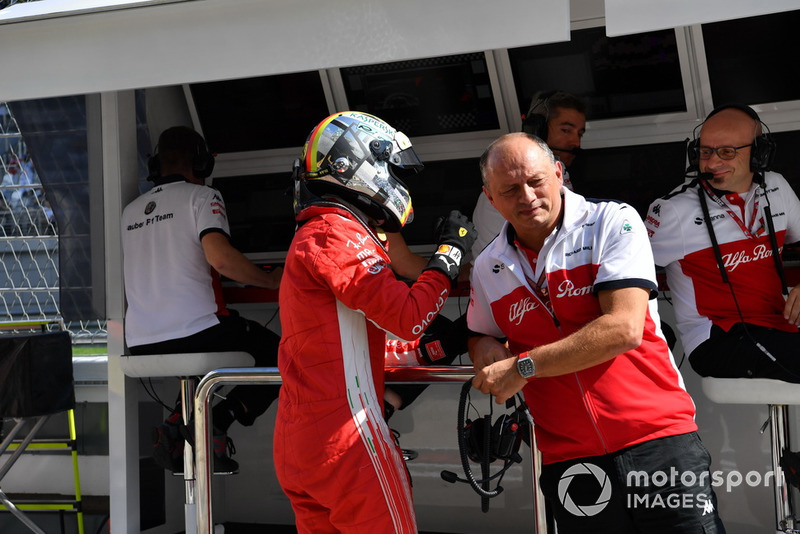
35	384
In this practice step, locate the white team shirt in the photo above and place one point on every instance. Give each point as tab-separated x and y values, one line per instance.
168	282
681	245
601	245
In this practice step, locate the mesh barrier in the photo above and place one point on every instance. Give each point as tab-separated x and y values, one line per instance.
29	247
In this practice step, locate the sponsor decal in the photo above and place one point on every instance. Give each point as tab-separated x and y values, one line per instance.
377	267
218	208
657	209
735	259
517	311
567	289
652	221
150	220
435	350
417	330
150	207
358	242
498	267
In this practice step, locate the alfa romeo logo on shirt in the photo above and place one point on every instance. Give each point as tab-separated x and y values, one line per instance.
584	510
150	207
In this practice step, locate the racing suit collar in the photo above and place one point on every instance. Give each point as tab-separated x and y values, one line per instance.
341	208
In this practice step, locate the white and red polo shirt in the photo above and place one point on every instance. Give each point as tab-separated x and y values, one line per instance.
682	245
636	396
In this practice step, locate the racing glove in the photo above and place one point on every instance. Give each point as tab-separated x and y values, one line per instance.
455	235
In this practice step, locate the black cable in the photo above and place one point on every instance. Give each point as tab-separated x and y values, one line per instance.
151	392
266	325
462	446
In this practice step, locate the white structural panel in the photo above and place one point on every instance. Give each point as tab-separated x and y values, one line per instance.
167	43
635	16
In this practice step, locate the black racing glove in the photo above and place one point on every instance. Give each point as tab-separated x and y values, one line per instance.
455	235
444	340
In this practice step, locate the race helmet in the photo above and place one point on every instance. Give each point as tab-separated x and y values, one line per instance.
362	160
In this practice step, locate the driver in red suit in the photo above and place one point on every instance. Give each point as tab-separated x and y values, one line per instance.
335	457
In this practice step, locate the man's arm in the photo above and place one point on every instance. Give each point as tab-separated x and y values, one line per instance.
231	263
618	330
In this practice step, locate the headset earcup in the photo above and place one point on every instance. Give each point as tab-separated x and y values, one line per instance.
203	163
535	124
762	154
473	434
153	167
693	153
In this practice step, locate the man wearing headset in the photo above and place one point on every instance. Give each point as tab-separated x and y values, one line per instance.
175	240
555	117
738	320
563	302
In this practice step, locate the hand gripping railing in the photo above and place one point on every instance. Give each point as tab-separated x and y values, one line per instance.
270	375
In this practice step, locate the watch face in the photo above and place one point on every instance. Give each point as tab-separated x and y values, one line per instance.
525	367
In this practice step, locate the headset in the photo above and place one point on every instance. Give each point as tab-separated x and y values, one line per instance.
762	156
202	158
485	442
535	120
762	153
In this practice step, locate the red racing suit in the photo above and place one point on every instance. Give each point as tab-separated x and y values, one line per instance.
681	245
334	455
636	396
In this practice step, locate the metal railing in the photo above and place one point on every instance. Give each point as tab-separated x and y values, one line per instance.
200	495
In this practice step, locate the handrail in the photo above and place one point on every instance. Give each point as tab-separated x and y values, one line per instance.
270	375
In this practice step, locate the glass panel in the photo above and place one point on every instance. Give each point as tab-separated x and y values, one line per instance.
441	187
259	113
259	210
754	60
262	219
442	95
634	174
617	76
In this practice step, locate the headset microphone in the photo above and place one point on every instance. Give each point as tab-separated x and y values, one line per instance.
575	150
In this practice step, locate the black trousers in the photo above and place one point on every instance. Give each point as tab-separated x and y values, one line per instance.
736	354
233	333
661	486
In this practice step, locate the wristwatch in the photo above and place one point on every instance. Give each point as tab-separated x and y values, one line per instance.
526	367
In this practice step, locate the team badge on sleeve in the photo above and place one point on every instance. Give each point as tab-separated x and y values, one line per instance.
627	227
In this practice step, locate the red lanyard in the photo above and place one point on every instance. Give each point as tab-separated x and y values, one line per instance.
539	287
733	215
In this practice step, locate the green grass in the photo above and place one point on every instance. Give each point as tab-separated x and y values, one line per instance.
89	350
